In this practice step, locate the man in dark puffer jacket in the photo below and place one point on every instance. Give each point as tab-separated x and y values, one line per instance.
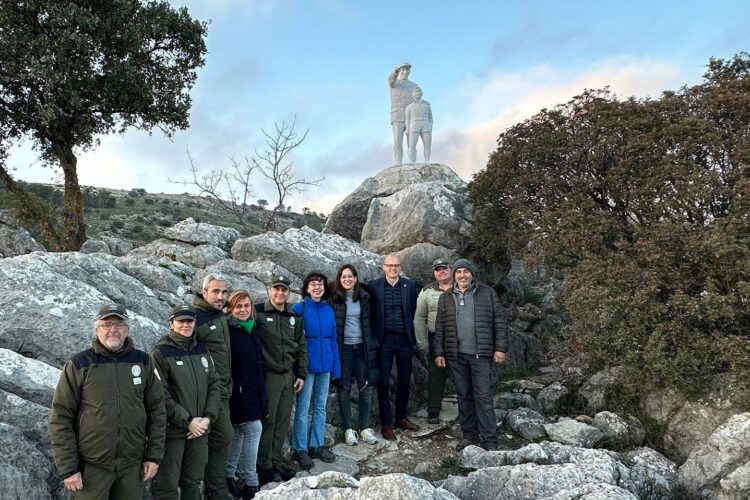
471	331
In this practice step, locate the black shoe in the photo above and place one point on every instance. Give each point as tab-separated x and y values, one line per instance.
490	447
433	417
249	492
286	473
303	459
467	442
234	488
270	475
323	454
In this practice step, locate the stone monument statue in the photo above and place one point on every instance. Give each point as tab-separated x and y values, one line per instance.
418	116
401	97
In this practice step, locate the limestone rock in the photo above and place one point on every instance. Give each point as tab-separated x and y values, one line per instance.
596	491
474	457
16	241
653	476
158	277
27	378
399	487
416	260
200	233
524	355
527	423
200	256
574	433
28	417
252	276
349	217
726	450
94	246
428	212
24	471
736	484
513	400
597	387
618	431
117	246
552	397
304	250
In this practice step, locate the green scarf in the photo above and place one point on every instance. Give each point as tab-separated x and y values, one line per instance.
247	325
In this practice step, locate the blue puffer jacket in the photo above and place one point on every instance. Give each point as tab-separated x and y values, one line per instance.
320	335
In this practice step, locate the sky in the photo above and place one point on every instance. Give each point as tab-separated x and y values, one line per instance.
483	66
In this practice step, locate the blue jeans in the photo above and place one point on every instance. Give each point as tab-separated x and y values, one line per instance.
315	388
353	363
246	440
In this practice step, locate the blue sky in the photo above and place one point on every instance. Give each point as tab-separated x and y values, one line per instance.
483	66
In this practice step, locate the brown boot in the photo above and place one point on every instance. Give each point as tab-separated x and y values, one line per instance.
389	433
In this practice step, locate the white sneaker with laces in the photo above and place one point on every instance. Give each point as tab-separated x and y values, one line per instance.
368	436
351	437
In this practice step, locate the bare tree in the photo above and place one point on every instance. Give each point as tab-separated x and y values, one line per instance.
273	165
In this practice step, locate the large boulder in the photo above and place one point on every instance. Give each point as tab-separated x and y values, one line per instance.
28	378
30	418
652	475
527	423
48	303
597	388
619	432
416	261
200	233
725	451
24	470
199	256
428	212
552	397
16	241
304	250
251	276
574	433
349	217
94	246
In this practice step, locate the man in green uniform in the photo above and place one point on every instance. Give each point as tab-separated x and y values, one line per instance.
212	330
285	359
108	419
191	392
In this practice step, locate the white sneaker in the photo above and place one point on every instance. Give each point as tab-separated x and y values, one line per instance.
368	436
351	437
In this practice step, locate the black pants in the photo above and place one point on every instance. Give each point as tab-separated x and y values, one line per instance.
396	347
436	377
475	382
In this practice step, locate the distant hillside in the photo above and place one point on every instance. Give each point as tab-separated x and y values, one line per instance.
141	217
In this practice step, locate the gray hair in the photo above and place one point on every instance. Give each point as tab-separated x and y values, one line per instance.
213	277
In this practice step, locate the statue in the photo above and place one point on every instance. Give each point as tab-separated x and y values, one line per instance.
401	89
418	118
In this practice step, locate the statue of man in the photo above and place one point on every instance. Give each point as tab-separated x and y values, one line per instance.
418	117
401	97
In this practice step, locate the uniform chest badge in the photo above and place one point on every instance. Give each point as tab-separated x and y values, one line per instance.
292	321
135	370
204	362
136	380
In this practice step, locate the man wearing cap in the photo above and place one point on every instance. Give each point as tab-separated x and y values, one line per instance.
471	332
424	328
401	96
107	419
191	392
285	358
394	302
212	330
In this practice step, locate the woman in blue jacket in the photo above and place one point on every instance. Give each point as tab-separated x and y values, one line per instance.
248	403
323	365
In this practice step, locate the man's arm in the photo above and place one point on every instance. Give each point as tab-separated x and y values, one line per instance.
500	325
156	420
439	340
300	365
420	321
65	405
392	77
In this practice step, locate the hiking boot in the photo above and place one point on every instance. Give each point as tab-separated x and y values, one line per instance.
407	424
303	459
270	475
433	417
368	436
249	492
351	437
388	433
490	447
467	442
285	472
323	454
234	487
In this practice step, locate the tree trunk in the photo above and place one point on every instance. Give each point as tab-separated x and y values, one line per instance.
73	226
34	212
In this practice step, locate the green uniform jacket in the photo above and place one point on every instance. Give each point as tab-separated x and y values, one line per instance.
424	317
211	329
282	337
191	383
108	410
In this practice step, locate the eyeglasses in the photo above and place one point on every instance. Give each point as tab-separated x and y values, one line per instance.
392	266
109	325
316	284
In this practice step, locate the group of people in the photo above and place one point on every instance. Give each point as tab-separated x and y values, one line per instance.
216	394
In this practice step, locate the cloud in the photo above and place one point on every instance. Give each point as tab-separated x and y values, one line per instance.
502	99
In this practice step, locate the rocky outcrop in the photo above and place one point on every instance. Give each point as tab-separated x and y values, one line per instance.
527	423
28	417
304	250
27	378
200	256
24	470
350	216
619	432
200	233
15	241
94	246
416	261
251	276
574	433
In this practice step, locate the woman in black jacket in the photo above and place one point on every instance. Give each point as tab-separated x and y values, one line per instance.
358	351
248	403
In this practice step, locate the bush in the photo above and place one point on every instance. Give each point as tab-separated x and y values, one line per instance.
116	224
149	201
641	206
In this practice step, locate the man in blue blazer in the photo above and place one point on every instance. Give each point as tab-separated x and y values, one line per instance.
394	303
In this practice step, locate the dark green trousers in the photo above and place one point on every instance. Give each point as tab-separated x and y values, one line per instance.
98	483
183	465
280	391
219	439
436	377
